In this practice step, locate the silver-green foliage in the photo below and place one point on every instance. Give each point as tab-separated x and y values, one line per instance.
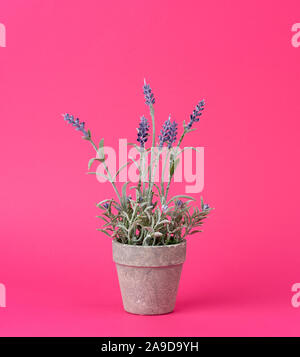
138	223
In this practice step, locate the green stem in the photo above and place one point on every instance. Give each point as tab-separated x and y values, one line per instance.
106	168
163	175
153	141
168	188
153	145
141	172
181	138
170	179
144	171
154	172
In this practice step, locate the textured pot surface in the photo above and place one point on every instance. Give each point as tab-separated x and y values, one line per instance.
149	276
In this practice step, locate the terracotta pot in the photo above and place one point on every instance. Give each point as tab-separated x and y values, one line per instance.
149	276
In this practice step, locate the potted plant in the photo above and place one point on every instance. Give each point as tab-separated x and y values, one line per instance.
149	228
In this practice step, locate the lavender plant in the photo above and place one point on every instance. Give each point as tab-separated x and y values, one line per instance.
150	218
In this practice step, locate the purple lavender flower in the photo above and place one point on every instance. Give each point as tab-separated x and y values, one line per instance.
206	207
197	112
168	133
106	205
78	126
172	134
149	97
179	203
165	133
142	130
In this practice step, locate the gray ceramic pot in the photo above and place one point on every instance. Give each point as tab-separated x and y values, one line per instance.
149	276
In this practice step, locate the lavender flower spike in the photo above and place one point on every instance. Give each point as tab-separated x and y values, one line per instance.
149	97
165	133
78	126
197	112
172	134
142	130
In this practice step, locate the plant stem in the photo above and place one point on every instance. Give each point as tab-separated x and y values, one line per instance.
141	170
181	138
163	175
144	172
106	168
153	145
171	176
154	172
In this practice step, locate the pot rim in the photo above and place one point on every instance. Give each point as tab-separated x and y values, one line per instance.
154	256
148	246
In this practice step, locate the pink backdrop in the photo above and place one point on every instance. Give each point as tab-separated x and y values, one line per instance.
89	58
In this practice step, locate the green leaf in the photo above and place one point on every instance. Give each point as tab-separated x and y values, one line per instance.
189	148
120	169
101	207
124	187
90	162
165	221
99	174
94	159
157	189
135	162
88	137
107	200
173	166
124	196
105	220
101	150
136	146
181	196
103	231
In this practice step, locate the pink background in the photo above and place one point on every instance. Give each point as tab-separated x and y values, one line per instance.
89	58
